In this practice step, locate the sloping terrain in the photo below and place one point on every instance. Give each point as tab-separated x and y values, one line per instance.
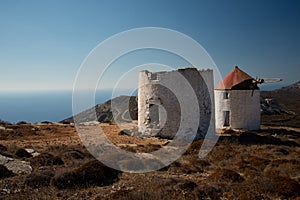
261	164
289	99
121	109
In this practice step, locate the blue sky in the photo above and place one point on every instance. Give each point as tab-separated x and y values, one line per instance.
43	43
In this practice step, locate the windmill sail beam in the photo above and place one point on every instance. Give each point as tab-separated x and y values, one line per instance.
271	80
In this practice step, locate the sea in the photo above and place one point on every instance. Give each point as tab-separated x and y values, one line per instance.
38	106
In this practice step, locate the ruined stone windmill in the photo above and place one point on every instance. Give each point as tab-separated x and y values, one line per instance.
159	111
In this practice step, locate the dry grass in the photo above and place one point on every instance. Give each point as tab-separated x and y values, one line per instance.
234	169
226	175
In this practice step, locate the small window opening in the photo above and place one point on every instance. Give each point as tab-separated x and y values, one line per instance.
226	95
154	76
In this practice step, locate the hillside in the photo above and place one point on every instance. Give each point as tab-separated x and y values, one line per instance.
289	99
104	112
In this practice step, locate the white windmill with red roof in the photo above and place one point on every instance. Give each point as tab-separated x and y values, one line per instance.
237	101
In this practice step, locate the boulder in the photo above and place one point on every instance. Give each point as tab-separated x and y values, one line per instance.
270	107
15	165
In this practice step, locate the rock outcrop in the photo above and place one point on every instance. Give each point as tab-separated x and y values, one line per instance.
270	107
15	165
282	106
121	109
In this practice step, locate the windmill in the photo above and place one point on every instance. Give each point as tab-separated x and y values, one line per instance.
237	100
266	80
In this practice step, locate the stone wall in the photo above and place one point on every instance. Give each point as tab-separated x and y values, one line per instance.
165	101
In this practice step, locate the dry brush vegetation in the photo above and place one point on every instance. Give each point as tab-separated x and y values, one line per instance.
248	165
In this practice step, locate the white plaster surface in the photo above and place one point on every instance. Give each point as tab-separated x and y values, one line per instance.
244	108
162	89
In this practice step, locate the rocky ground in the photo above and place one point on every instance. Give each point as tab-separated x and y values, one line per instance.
261	164
282	107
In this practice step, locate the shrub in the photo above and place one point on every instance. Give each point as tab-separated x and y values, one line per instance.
226	175
158	189
209	192
188	164
194	165
250	195
194	147
93	173
269	185
2	148
73	155
47	159
2	122
285	186
282	151
21	122
283	167
46	171
4	172
37	180
186	185
185	190
257	163
69	179
22	153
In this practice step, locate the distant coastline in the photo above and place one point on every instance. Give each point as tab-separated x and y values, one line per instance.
37	106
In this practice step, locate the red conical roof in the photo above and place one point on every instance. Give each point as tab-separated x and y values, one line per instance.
235	77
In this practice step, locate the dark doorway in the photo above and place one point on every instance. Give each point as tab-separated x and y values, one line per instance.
154	113
226	115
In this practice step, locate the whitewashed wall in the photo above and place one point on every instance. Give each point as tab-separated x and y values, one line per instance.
244	107
150	91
